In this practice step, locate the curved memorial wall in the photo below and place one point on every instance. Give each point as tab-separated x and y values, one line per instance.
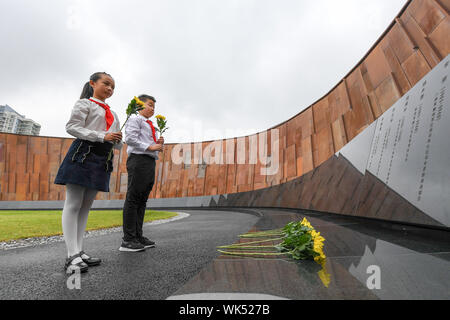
374	146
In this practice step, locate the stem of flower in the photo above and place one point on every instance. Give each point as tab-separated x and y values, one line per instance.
254	253
248	247
262	235
124	123
253	242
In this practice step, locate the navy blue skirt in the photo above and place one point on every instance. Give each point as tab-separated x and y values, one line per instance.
86	164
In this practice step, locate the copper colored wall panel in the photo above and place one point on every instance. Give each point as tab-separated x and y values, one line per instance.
427	14
403	46
387	93
421	40
416	67
439	37
290	168
338	101
322	146
307	155
321	114
377	66
339	136
398	74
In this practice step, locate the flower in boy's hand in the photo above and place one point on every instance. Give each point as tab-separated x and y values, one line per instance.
134	107
161	122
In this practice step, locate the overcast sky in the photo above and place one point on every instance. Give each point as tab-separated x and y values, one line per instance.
217	68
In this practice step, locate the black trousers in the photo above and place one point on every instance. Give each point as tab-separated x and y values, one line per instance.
141	178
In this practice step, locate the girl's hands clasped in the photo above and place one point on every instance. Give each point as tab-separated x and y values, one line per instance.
114	137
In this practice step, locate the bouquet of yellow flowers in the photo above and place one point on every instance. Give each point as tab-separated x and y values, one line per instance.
134	107
300	241
161	122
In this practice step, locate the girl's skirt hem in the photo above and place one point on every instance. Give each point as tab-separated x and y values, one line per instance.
86	164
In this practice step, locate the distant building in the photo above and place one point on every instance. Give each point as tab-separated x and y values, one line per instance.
13	122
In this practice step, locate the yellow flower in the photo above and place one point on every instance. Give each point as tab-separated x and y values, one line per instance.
320	258
306	223
139	101
160	117
318	245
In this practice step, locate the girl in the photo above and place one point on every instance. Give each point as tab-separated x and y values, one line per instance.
87	167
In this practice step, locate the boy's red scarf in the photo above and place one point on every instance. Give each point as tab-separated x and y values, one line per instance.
108	115
153	129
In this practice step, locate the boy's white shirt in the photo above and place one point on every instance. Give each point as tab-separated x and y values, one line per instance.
138	136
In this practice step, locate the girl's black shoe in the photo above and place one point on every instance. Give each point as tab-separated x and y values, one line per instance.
71	268
90	261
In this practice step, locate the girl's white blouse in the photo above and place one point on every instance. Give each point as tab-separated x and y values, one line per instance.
87	122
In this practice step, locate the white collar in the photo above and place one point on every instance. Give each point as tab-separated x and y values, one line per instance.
98	100
140	115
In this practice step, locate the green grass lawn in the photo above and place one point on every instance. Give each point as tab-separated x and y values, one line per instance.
26	224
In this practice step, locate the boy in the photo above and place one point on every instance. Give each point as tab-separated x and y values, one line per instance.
143	148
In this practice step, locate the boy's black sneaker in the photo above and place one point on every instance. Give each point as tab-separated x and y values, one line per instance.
147	243
131	246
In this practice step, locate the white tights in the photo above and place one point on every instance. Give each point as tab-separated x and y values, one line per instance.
75	214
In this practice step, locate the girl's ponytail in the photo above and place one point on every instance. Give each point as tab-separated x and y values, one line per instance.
87	92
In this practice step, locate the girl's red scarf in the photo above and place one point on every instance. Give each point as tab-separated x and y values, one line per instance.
108	115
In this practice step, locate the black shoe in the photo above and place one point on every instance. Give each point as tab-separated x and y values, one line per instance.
147	243
71	268
90	261
131	246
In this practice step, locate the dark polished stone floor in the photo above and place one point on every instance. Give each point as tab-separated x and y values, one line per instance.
413	263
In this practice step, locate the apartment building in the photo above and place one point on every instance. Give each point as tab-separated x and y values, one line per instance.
13	122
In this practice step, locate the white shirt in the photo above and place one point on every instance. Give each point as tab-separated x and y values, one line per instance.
138	136
87	122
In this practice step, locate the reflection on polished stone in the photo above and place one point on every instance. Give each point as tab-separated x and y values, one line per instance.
225	296
411	266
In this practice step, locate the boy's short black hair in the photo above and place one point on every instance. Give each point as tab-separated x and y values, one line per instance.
145	98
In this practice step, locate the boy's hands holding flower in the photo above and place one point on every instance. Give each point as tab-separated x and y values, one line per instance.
156	147
161	122
159	146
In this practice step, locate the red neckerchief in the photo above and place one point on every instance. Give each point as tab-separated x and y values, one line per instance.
153	129
108	115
